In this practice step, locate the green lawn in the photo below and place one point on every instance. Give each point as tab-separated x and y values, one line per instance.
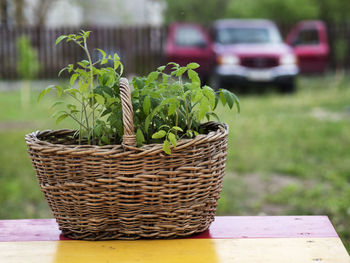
288	154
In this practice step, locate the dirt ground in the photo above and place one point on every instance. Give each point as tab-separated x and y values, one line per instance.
254	190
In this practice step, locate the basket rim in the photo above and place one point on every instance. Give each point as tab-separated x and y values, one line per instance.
32	140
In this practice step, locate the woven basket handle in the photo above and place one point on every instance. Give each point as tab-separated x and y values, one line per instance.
129	137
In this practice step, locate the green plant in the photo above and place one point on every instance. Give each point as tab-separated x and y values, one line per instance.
167	106
97	90
28	65
171	106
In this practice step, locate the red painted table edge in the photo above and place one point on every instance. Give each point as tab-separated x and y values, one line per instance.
224	227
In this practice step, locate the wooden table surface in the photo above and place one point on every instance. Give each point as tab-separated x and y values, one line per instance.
229	239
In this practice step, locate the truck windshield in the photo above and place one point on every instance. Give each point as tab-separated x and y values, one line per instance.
247	35
189	37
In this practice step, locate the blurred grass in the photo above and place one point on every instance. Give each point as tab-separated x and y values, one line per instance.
305	138
288	154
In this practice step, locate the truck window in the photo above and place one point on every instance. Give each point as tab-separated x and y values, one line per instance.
189	37
247	35
307	37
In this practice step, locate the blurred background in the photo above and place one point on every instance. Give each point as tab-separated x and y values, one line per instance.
288	61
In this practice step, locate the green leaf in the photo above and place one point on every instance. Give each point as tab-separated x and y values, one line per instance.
148	122
102	53
180	71
222	98
174	64
146	105
189	133
109	79
71	91
139	137
164	126
238	104
60	38
86	33
161	68
203	108
73	78
198	95
83	86
229	98
59	91
172	139
209	114
159	134
100	100
61	71
193	76
116	57
104	61
172	109
192	65
44	92
216	100
71	107
121	68
83	64
152	76
138	82
210	94
116	64
177	128
166	147
56	103
105	139
165	78
61	118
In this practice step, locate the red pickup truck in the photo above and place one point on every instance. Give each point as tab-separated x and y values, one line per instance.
310	44
252	51
187	43
242	51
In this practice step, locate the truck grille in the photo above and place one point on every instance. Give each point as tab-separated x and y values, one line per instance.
259	62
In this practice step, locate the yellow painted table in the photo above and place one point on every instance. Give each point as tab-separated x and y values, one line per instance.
229	239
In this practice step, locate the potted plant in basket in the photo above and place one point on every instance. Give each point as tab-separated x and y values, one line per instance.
141	163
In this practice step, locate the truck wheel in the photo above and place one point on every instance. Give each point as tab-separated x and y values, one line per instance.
217	82
287	87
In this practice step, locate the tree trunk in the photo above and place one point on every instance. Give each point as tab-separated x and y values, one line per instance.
3	12
19	12
41	11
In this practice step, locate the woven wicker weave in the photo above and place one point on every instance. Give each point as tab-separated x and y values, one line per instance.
125	192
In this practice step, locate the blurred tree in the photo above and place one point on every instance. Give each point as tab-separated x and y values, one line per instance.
19	12
28	67
28	64
333	10
281	11
41	9
3	12
22	12
195	10
206	11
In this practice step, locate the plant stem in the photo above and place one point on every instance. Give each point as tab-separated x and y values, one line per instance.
176	120
87	127
185	104
79	122
91	84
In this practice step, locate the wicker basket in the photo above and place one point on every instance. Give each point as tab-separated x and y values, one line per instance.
125	192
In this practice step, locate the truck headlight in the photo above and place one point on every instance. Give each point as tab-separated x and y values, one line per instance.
288	59
228	60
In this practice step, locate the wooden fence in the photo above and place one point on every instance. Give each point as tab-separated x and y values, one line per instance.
140	48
